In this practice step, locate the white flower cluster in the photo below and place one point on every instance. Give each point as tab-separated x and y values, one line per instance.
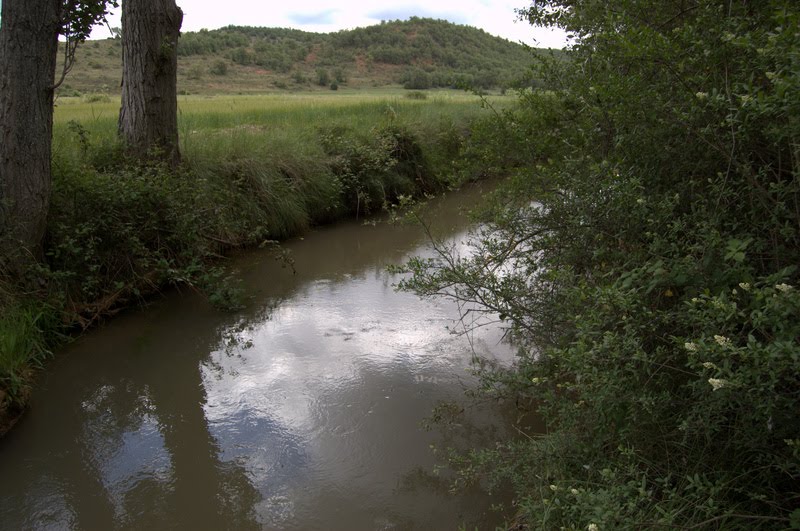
722	341
718	383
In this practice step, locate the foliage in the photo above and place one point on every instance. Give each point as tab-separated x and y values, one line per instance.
376	169
119	231
77	19
454	52
644	258
23	347
219	68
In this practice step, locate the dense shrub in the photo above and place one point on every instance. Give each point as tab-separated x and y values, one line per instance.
644	258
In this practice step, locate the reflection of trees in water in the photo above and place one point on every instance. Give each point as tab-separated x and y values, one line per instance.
461	426
196	490
129	445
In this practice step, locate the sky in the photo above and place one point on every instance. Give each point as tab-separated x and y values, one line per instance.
493	16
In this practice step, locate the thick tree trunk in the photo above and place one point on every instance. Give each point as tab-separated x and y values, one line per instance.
148	119
28	49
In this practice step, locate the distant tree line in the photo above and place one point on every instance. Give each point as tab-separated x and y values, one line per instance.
436	53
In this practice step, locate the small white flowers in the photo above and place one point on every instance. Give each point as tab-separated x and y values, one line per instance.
553	488
691	347
783	288
592	527
722	341
701	95
745	286
709	365
718	383
574	492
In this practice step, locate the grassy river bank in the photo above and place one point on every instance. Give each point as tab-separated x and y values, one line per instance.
256	169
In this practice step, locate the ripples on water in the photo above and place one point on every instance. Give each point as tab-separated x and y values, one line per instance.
301	412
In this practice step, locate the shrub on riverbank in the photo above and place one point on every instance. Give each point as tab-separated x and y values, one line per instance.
645	260
119	231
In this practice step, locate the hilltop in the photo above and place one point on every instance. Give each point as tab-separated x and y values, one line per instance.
418	53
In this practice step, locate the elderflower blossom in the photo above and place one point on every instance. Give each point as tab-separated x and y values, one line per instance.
718	383
784	287
745	286
592	527
709	365
574	492
691	347
722	341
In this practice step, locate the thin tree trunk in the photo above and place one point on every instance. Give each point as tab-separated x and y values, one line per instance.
28	50
148	119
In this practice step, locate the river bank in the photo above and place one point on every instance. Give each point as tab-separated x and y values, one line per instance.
255	171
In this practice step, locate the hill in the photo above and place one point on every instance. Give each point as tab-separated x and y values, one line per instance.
418	53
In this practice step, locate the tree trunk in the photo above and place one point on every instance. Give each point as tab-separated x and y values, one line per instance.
28	49
148	119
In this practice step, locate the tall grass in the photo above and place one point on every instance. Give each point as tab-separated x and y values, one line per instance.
255	168
23	347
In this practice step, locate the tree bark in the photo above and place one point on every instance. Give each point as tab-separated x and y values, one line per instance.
28	50
148	119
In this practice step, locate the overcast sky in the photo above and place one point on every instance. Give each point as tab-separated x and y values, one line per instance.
494	16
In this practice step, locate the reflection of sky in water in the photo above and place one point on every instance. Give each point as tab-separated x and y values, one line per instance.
312	398
305	416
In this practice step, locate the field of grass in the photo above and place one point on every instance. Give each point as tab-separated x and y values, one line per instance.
255	169
300	109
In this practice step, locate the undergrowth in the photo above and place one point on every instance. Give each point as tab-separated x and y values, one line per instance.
120	231
644	259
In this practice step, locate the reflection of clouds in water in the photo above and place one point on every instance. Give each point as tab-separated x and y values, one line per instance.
141	457
322	340
306	413
125	447
324	395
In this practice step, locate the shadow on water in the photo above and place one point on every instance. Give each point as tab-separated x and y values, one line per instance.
301	411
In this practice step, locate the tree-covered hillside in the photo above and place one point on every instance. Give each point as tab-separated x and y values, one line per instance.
418	53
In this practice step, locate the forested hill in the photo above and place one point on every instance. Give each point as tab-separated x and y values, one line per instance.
418	53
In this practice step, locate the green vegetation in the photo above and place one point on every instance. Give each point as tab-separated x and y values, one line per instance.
256	169
645	260
422	53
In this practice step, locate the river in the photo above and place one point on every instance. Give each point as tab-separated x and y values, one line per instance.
301	411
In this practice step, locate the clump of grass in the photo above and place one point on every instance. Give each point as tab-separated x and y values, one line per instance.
23	348
96	97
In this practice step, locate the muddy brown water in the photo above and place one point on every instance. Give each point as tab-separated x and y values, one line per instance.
302	411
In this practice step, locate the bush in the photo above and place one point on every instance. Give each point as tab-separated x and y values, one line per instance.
219	68
644	258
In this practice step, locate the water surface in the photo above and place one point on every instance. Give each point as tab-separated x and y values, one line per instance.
302	411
